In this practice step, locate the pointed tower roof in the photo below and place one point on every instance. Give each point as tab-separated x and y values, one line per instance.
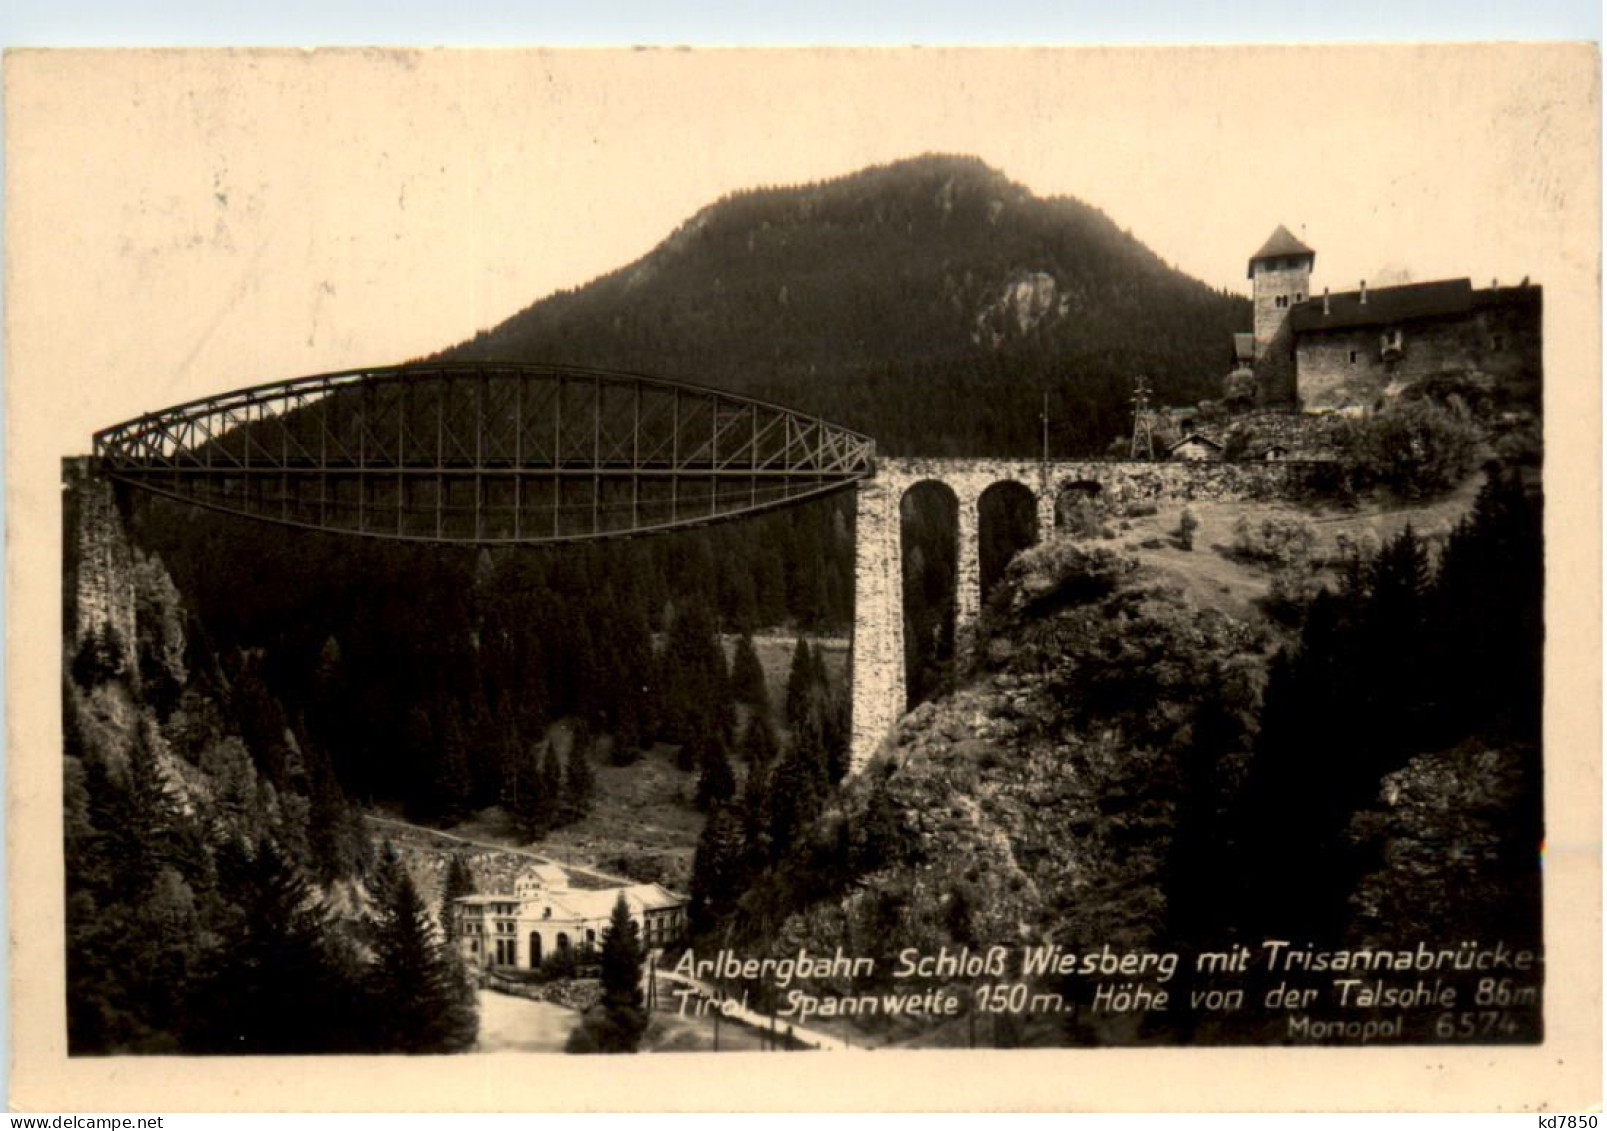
1279	243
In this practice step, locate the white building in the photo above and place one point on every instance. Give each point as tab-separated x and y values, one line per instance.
544	916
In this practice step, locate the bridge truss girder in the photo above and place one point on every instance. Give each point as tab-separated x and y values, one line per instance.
484	453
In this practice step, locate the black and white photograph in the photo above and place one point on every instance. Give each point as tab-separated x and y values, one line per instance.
949	554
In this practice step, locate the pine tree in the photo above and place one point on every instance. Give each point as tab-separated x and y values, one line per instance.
800	679
552	788
715	784
755	815
758	746
818	676
580	783
796	791
718	869
421	1000
533	807
278	986
452	783
1394	638
836	733
747	677
633	711
697	697
458	882
419	762
881	832
616	1023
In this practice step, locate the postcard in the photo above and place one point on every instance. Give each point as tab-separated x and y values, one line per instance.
1057	568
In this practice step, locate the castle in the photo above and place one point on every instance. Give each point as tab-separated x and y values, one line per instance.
1352	351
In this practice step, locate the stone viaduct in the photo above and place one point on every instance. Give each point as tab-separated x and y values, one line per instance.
879	696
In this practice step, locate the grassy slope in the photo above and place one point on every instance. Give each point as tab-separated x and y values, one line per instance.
1210	579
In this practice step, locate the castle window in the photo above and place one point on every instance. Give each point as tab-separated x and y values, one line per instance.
1496	342
1299	297
1353	355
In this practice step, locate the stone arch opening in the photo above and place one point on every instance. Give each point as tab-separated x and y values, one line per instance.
1007	523
929	524
1079	507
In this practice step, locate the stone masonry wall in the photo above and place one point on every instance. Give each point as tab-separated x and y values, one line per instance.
878	644
1501	344
877	656
1274	340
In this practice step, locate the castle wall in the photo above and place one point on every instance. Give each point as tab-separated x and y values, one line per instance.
1499	343
1276	384
878	645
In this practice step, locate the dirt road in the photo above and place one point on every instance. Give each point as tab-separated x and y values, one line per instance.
513	1024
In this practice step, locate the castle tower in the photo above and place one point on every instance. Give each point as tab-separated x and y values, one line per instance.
1281	277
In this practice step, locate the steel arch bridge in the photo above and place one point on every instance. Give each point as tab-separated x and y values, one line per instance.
484	453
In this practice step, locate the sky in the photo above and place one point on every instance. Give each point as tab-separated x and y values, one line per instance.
183	223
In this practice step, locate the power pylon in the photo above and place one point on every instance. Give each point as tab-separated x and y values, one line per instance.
1143	421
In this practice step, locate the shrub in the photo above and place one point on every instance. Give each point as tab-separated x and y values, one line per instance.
1187	524
1293	586
1060	572
1414	448
1085	518
1276	542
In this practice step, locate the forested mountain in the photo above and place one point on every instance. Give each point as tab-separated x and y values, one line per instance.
930	303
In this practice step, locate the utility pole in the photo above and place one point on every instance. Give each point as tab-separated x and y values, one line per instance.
1043	460
1044	418
1143	421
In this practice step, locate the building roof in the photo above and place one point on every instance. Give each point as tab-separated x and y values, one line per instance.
1384	306
1280	242
1524	294
545	875
1243	347
587	905
656	897
1193	437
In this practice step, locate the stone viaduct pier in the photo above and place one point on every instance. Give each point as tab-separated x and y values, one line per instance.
879	694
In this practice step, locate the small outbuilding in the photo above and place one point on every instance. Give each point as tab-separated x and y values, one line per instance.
1194	446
